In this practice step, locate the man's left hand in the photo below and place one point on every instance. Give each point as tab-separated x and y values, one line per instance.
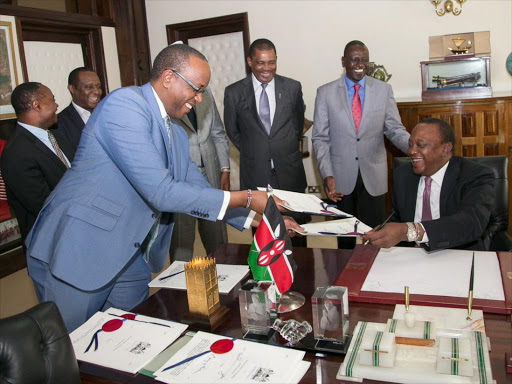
224	181
289	223
390	235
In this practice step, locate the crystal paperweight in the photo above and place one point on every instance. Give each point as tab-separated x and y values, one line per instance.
257	311
292	330
330	317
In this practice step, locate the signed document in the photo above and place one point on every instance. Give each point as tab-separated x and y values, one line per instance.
307	203
350	227
174	277
123	343
209	358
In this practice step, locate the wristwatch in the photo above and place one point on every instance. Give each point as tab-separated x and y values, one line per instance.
412	233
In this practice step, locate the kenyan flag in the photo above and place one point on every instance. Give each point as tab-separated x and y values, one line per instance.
270	257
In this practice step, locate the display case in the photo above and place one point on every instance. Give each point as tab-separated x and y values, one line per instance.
456	78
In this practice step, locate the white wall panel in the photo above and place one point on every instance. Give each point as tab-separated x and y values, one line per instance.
50	64
111	58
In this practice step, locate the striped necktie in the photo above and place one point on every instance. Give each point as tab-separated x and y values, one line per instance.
356	107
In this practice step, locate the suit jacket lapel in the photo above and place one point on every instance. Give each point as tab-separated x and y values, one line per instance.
280	92
368	102
345	104
42	147
75	116
147	92
251	101
449	182
411	193
187	122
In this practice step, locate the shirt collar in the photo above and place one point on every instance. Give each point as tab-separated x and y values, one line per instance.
349	83
81	111
438	177
40	133
256	83
161	107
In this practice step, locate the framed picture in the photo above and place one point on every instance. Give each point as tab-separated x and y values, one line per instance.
10	65
9	230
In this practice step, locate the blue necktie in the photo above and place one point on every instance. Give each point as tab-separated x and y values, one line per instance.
265	109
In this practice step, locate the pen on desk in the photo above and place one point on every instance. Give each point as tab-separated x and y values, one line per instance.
171	275
470	293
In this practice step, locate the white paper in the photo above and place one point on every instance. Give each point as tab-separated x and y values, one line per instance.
246	362
227	275
307	203
442	273
339	228
129	348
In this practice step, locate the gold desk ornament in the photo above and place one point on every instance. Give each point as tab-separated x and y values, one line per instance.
448	6
406	294
203	293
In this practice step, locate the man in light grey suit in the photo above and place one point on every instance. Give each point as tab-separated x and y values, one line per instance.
352	115
210	151
109	221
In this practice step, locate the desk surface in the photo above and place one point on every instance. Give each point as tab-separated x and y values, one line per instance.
317	267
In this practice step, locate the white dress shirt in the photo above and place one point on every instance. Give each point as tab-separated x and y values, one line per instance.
435	196
271	93
42	135
84	113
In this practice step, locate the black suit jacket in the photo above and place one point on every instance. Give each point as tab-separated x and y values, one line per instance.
69	126
245	130
30	171
466	200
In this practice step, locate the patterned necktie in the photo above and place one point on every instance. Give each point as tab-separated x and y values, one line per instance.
168	128
57	149
426	213
265	109
356	107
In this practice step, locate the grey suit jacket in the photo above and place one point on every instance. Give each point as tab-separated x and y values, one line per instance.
245	130
340	151
209	142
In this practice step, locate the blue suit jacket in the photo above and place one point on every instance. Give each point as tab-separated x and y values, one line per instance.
123	176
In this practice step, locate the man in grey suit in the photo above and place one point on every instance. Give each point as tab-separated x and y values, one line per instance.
210	151
352	115
264	118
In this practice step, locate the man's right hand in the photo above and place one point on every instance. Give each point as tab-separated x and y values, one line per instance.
330	189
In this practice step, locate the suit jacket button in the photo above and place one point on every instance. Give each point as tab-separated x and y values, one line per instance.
207	215
357	158
154	215
136	245
358	139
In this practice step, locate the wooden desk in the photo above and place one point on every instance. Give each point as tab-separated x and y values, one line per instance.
317	267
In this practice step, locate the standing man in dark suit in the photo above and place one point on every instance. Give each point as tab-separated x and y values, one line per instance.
33	161
352	115
209	150
85	88
264	118
439	200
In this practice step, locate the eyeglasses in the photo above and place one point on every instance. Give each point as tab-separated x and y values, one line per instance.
195	88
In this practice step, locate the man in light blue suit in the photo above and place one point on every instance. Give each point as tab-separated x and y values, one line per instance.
108	223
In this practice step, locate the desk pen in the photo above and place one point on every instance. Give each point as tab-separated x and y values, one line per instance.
383	223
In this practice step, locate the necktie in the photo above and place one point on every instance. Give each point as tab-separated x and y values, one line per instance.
168	128
426	213
356	107
57	149
265	109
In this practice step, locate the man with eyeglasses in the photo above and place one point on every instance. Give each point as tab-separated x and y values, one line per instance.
109	221
85	88
352	116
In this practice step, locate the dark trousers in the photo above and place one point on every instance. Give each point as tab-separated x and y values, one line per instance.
371	210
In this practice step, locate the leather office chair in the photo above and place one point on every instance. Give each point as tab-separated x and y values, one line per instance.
495	237
35	348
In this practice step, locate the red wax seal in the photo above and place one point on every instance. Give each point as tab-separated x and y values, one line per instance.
129	316
222	346
112	325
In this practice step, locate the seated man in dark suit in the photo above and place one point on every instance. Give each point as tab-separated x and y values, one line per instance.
33	160
85	88
439	200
